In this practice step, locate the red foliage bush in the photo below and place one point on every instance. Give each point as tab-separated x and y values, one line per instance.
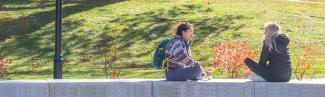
230	56
3	66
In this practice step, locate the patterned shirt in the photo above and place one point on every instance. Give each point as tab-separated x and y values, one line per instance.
181	55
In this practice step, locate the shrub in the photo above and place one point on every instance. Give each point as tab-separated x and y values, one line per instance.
230	56
110	69
305	61
3	66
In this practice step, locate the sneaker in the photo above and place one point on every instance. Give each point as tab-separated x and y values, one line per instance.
257	78
204	74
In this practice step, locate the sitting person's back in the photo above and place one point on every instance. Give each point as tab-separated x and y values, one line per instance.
279	59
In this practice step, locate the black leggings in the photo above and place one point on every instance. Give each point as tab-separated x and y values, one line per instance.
264	71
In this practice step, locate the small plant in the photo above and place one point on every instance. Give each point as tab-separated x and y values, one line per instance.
115	74
110	70
134	64
84	58
230	56
3	66
36	64
305	61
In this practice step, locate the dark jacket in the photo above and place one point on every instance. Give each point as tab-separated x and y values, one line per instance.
279	60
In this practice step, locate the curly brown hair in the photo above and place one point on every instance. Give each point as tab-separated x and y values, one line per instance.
180	27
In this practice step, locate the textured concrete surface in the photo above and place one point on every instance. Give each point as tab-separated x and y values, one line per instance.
214	88
160	88
290	89
24	88
101	88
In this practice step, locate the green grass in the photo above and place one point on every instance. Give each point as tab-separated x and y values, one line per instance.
135	27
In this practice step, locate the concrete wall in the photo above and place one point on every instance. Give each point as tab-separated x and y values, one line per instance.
215	88
24	88
159	88
291	89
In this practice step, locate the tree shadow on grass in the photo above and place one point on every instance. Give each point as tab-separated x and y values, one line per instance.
142	29
21	28
32	36
25	4
147	28
27	24
159	22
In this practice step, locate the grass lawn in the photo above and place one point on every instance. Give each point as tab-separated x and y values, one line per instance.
94	29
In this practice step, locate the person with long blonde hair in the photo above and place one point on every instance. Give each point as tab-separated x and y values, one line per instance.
274	64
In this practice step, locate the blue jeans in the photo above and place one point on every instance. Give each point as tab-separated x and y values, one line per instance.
184	74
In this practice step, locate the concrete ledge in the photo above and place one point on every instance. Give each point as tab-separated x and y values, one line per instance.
159	88
101	88
215	88
290	89
24	88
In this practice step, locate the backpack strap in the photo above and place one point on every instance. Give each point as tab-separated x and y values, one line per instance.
168	57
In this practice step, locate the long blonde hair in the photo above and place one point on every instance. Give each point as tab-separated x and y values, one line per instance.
272	30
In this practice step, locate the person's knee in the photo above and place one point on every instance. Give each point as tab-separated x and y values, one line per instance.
200	70
248	61
198	73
